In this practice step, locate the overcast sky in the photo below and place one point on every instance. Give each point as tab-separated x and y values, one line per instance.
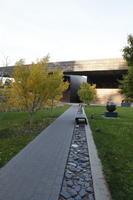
66	29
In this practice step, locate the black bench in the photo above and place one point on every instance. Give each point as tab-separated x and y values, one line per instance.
80	119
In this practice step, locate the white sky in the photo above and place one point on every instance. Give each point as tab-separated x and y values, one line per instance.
66	29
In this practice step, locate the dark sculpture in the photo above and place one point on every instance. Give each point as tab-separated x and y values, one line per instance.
75	83
111	106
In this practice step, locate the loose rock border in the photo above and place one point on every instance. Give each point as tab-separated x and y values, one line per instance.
77	182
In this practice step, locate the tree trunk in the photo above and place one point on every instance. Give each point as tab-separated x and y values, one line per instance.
52	105
31	117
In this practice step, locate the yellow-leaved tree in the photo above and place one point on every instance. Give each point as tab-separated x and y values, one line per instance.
29	90
87	92
35	86
56	87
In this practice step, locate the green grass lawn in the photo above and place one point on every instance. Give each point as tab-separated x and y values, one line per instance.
15	131
114	142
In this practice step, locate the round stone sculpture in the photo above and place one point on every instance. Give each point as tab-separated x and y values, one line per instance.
110	106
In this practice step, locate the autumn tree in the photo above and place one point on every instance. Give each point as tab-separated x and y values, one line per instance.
29	90
56	87
126	85
87	93
35	86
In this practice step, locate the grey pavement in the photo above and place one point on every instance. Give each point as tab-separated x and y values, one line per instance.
36	172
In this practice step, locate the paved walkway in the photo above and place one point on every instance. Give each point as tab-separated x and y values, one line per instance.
36	172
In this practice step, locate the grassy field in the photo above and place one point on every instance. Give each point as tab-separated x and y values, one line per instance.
114	142
15	131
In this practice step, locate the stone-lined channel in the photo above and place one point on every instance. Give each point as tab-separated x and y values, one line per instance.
77	182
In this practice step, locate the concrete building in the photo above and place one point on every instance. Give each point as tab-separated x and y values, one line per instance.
105	73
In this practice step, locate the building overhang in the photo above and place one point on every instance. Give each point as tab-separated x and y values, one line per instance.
88	67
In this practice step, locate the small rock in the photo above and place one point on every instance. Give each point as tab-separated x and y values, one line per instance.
88	179
75	158
86	175
70	159
74	145
80	183
65	194
72	169
69	183
68	176
89	189
83	165
77	188
72	192
72	164
76	177
78	198
68	171
82	193
84	159
87	185
91	197
79	169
